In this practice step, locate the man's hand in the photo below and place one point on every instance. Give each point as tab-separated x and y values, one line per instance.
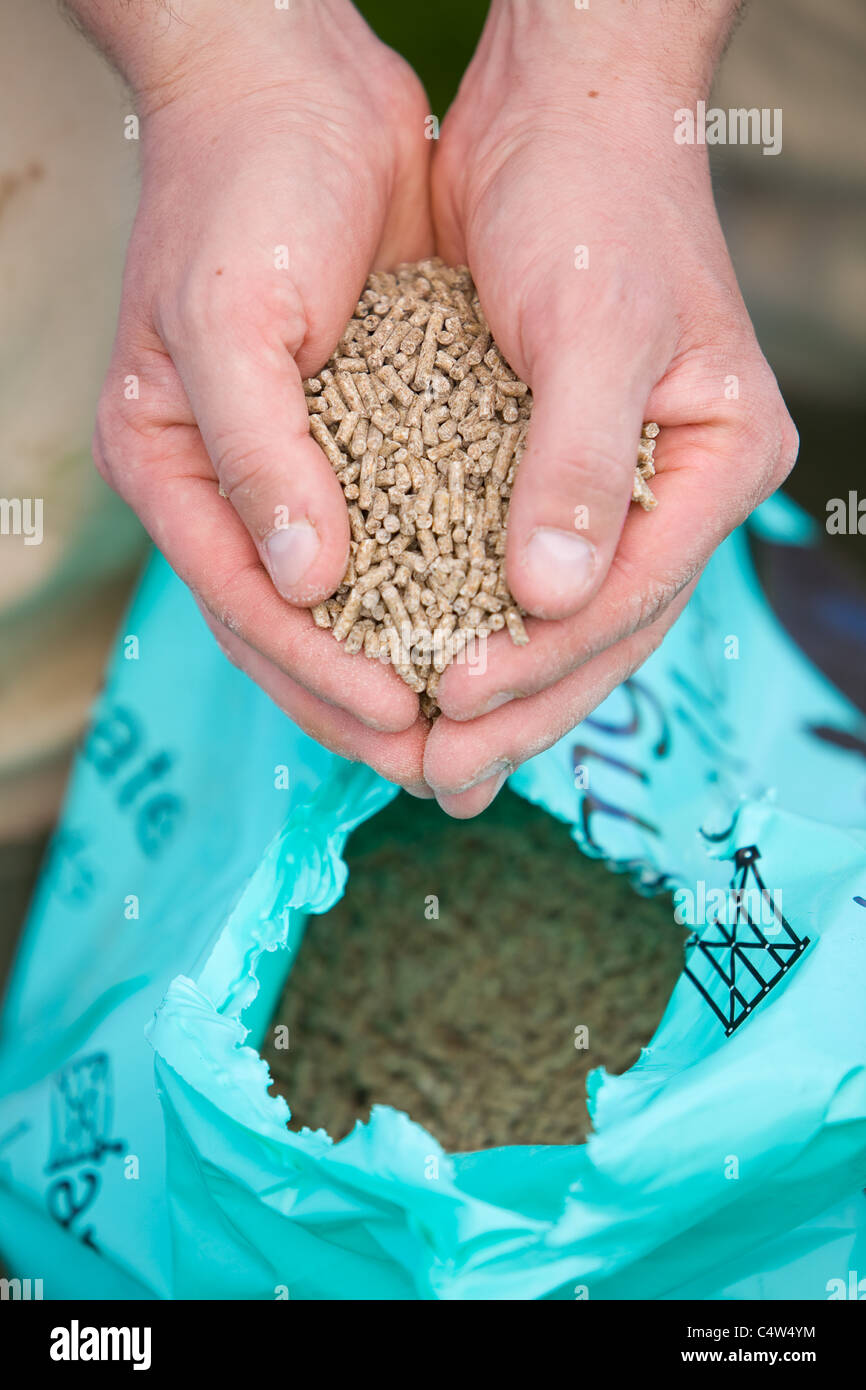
593	240
283	155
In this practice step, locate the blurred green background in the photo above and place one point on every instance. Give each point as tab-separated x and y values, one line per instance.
437	39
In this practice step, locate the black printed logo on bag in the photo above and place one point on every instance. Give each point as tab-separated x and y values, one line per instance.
81	1115
742	954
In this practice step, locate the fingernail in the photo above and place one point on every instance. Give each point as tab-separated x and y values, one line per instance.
290	552
420	790
500	770
500	782
497	701
560	563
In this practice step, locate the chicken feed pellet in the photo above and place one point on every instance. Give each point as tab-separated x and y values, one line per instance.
424	423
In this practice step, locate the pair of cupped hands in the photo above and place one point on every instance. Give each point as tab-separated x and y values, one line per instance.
282	160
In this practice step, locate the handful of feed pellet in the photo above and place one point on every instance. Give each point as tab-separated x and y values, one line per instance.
424	423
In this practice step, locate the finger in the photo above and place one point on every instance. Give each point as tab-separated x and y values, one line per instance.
460	756
168	482
248	401
398	757
705	486
421	791
574	483
465	805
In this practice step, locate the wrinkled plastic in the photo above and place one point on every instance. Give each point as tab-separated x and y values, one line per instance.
140	1153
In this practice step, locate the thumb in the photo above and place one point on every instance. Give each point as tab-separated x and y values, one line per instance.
249	405
573	488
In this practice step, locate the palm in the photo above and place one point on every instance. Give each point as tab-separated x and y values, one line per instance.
609	289
241	274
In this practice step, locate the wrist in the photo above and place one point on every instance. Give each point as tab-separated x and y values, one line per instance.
178	50
667	50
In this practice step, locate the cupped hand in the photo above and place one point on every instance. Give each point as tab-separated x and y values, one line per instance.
595	245
280	163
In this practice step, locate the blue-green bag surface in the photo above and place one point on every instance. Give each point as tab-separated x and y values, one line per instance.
140	1153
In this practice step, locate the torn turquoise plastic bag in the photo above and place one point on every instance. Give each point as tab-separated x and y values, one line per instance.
140	1153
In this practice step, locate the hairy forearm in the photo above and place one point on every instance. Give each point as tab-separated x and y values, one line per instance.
141	38
159	46
670	45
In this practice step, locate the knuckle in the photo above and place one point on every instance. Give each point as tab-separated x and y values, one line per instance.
228	595
750	439
775	443
654	599
600	453
242	465
651	603
194	306
107	439
653	641
598	461
788	448
768	435
210	301
644	646
102	459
